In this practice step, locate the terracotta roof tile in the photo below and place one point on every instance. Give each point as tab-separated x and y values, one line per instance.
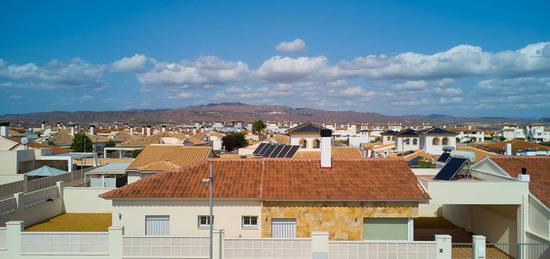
283	179
538	169
480	153
516	145
337	153
162	157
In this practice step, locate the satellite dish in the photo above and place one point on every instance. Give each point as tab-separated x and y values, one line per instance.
24	141
47	132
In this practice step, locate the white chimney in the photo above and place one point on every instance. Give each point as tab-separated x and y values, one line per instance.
43	125
92	130
148	130
326	148
163	128
142	130
116	126
72	130
131	130
524	177
509	149
5	129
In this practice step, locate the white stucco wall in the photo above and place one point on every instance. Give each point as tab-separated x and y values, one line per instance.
539	219
184	216
86	200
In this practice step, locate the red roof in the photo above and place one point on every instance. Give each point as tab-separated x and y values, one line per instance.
538	169
55	149
283	179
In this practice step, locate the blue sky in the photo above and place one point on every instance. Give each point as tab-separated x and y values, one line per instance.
392	57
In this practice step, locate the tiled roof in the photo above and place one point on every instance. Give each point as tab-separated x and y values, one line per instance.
436	131
538	169
480	153
389	132
281	139
283	179
337	153
307	127
407	132
516	144
160	157
142	140
55	150
414	155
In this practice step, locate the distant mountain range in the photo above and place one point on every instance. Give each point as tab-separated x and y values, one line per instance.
244	112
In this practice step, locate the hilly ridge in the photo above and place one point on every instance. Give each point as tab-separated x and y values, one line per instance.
241	112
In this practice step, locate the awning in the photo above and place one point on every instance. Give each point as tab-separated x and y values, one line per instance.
46	171
112	168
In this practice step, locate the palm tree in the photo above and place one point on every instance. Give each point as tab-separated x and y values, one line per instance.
258	127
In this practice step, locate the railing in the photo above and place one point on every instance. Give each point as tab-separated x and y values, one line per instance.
65	243
8	206
11	188
68	178
382	249
288	248
513	250
38	197
167	247
3	245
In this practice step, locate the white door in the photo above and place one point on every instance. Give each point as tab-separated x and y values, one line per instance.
283	227
157	225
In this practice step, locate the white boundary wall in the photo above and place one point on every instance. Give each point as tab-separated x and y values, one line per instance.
86	200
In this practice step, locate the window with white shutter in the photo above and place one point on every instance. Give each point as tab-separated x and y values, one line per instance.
157	225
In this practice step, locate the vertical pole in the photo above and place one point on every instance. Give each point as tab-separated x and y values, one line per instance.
211	220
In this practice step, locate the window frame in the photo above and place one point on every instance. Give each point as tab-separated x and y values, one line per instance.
250	226
207	225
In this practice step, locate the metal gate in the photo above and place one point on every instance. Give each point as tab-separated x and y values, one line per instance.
283	227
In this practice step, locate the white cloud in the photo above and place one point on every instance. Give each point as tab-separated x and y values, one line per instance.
86	97
136	64
75	74
445	82
285	69
421	84
459	61
295	45
450	100
354	91
206	70
181	95
448	91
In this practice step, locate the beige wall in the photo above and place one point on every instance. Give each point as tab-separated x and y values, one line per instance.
496	222
86	200
475	192
184	216
295	140
539	219
342	220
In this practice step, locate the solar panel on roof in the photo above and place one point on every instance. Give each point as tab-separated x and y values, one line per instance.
276	151
414	161
267	150
443	157
292	151
449	171
285	150
259	148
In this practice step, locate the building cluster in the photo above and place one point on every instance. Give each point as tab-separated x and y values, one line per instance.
353	181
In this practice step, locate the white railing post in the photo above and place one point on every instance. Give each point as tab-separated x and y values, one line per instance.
60	185
20	201
218	246
444	246
115	241
479	246
319	245
13	239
